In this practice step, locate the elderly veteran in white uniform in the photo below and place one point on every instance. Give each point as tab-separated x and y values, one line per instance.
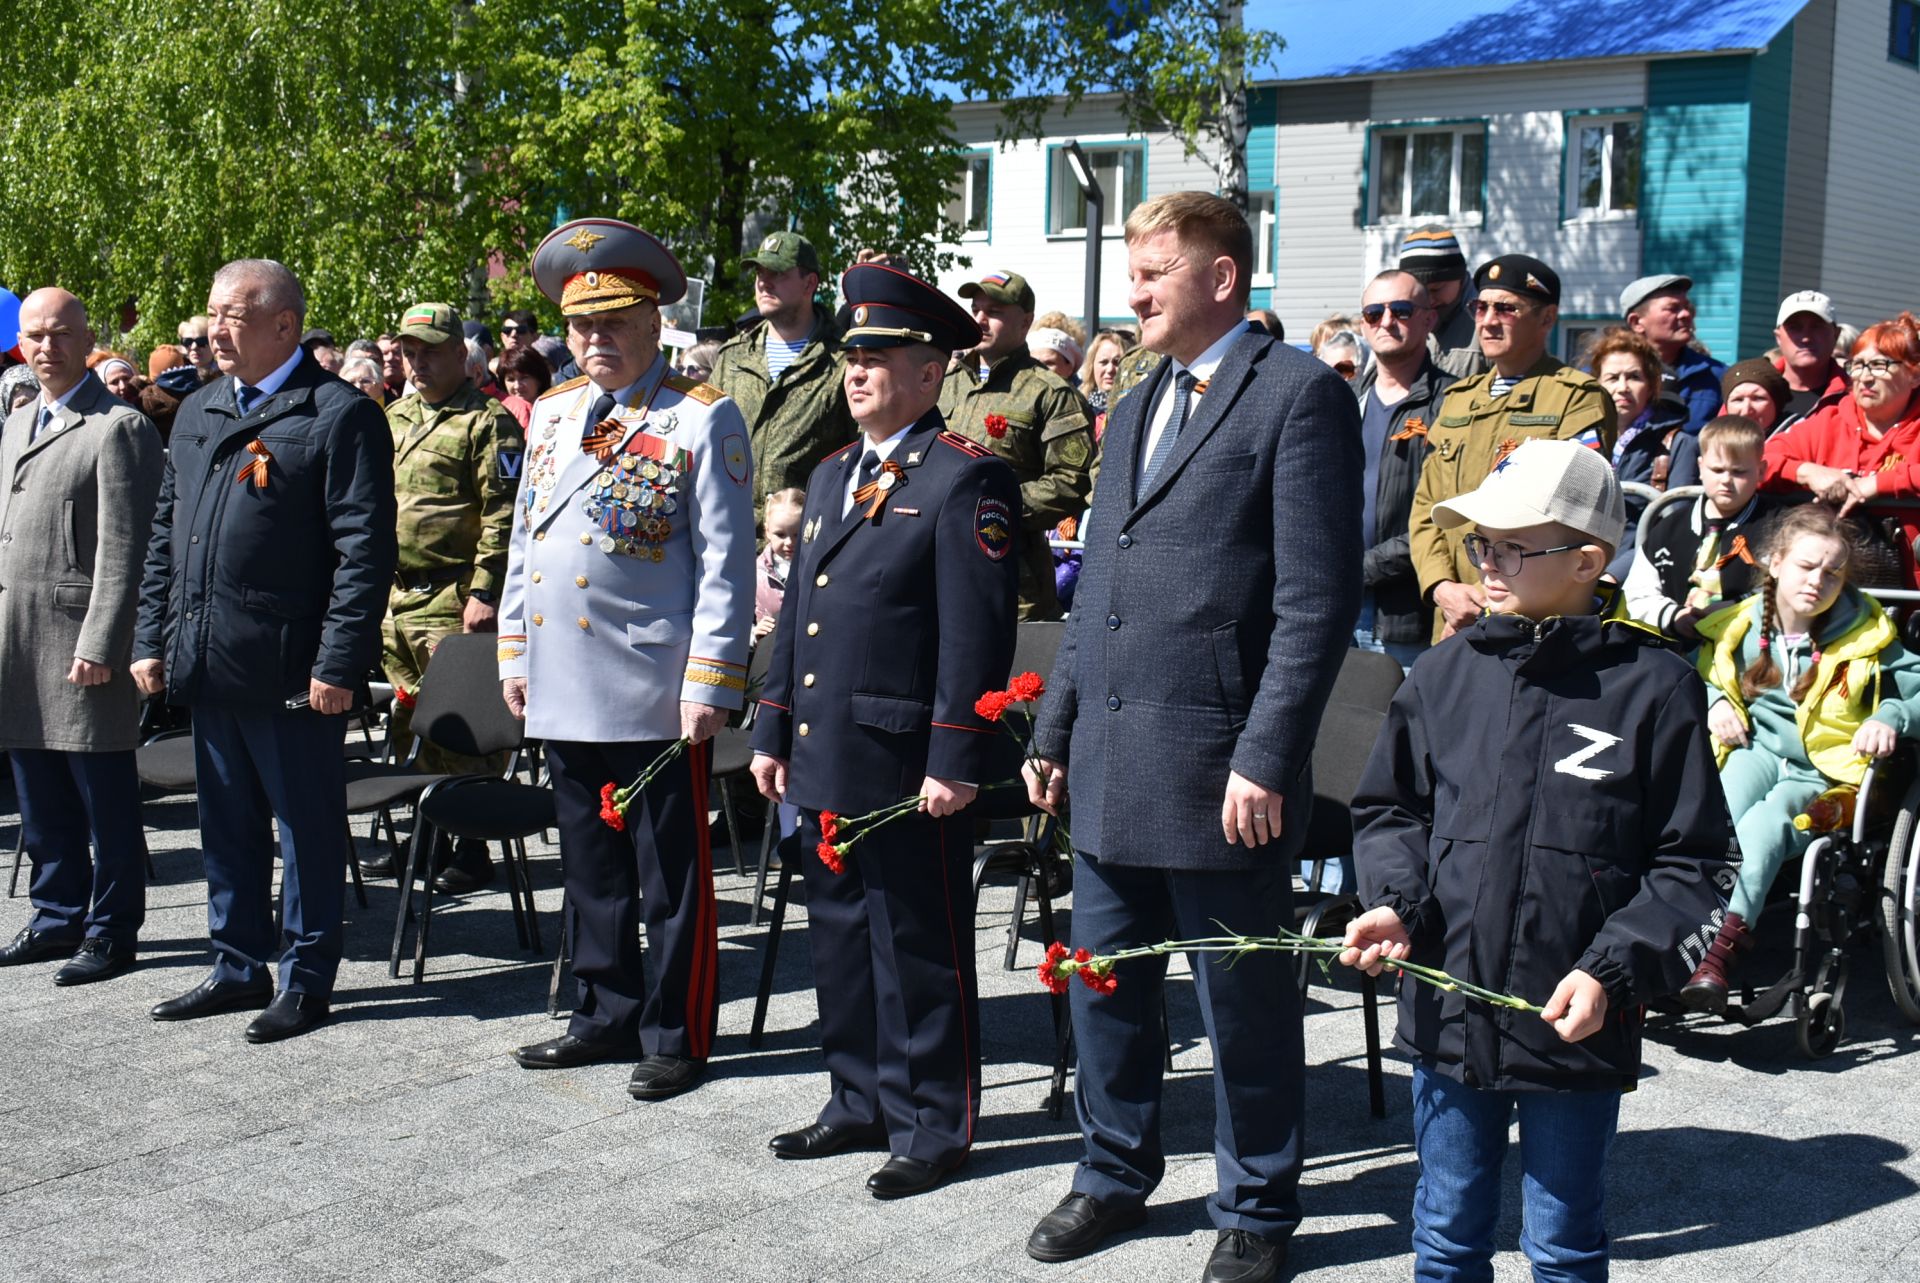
624	626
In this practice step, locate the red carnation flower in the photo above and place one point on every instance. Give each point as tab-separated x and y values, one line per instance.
1098	976
996	426
1049	968
830	856
610	811
992	704
829	825
1026	688
404	697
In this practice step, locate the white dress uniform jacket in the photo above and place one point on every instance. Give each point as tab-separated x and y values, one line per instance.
630	574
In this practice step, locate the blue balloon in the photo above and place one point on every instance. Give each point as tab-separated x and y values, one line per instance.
9	319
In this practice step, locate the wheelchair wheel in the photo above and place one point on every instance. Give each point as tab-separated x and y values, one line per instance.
1822	1024
1899	903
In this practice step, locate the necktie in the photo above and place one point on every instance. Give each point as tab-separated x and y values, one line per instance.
245	398
40	424
869	468
1183	385
601	409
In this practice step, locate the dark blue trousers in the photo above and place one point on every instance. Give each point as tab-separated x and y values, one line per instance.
892	944
1252	1015
68	802
660	871
254	765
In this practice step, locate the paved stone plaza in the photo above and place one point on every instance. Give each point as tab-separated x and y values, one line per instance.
401	1143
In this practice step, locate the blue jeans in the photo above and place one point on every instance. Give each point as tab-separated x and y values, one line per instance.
1363	639
1461	1135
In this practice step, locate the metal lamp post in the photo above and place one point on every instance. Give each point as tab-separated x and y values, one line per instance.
1096	220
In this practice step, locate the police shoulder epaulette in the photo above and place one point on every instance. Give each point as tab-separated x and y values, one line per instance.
704	393
842	450
562	387
972	449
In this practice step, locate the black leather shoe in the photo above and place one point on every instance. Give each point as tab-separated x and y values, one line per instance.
288	1016
471	869
824	1139
383	865
97	959
36	946
1241	1256
211	997
1080	1224
658	1077
568	1052
905	1177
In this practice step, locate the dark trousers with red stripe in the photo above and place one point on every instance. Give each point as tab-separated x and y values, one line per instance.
892	943
660	871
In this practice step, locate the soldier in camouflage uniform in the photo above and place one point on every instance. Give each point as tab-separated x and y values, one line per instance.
1000	397
1525	395
456	467
785	372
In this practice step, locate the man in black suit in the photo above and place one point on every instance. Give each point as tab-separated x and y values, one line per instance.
266	582
1218	595
899	615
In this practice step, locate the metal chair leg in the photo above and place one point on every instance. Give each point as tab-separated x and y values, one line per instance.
353	869
765	995
1020	889
771	827
404	912
1376	1079
513	892
559	961
19	852
733	827
526	894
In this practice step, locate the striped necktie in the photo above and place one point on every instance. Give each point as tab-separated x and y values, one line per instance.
1183	385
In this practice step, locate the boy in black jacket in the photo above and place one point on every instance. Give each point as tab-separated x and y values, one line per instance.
1541	816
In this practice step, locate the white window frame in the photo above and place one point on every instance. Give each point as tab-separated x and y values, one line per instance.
1574	330
1578	125
1403	135
1061	180
1263	217
968	195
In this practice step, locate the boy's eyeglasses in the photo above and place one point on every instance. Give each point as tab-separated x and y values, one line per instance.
1402	309
1504	310
1505	557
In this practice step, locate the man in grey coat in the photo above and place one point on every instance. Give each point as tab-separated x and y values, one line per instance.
81	470
1219	591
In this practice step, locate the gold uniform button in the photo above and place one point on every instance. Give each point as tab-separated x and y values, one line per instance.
538	535
585	622
536	576
579	581
803	728
813	630
586	538
539	620
807	680
821	582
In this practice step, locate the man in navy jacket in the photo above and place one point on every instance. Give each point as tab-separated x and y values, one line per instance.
1221	583
266	581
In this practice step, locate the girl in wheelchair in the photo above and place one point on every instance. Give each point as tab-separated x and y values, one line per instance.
1806	681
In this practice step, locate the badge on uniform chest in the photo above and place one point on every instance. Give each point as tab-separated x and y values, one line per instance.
633	498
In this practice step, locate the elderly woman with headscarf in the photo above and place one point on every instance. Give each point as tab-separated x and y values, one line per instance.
18	387
1755	389
120	376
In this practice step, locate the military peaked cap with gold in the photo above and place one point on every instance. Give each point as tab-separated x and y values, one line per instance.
1519	274
600	264
889	308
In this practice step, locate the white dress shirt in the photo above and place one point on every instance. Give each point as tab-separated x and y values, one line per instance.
884	449
43	405
1202	369
272	383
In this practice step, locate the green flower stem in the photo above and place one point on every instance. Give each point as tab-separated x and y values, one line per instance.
623	797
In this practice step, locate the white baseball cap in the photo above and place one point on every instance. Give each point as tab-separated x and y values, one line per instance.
1560	482
1807	301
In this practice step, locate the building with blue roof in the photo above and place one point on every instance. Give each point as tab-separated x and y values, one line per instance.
1750	144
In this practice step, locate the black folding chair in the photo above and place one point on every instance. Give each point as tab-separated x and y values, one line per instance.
732	756
459	709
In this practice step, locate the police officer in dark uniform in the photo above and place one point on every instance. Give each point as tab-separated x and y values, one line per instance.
899	615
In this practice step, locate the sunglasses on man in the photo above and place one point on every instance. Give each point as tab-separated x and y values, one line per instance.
1402	309
1504	310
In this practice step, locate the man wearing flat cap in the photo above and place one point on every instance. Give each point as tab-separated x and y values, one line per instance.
899	615
1659	308
784	372
624	625
456	465
1526	394
999	396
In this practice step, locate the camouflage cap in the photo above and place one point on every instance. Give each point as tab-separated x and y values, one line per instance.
1002	287
430	323
782	251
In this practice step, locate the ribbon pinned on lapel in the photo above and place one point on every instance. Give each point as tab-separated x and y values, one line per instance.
605	437
874	493
257	466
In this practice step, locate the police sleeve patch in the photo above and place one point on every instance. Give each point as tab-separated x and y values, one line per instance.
993	528
508	462
733	449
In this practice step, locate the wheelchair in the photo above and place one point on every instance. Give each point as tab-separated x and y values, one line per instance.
1858	890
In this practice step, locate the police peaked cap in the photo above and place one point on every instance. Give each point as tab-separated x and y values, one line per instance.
889	308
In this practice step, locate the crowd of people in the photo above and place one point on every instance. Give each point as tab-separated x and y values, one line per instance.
878	493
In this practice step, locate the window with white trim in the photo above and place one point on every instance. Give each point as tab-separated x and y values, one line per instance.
1577	336
1429	172
1121	173
1263	220
969	199
1603	166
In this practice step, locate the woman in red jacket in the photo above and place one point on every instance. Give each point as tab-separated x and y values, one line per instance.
1867	445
